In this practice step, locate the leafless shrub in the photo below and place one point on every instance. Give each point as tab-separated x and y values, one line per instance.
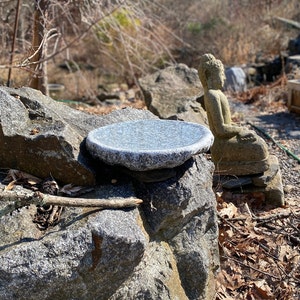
120	38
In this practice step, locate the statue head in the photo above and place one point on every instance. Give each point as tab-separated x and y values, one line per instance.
211	72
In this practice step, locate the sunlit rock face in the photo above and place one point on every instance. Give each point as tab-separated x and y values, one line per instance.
165	249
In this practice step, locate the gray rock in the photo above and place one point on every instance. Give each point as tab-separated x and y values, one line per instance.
174	92
182	259
88	257
195	250
148	144
188	221
274	191
36	140
236	80
114	254
264	179
268	183
187	194
17	227
165	249
41	136
155	278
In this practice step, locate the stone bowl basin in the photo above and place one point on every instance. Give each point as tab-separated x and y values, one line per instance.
144	145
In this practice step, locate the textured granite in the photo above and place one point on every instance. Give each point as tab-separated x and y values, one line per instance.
148	144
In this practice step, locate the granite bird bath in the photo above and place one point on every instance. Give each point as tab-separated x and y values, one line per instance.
144	145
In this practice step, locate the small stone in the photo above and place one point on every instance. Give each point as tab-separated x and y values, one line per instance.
236	80
152	175
288	188
237	182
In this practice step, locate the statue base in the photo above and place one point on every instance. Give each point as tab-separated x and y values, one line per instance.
240	168
268	182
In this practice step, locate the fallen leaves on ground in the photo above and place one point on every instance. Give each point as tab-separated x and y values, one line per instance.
17	177
48	215
259	249
257	93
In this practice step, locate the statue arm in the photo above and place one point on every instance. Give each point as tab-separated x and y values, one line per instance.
231	130
221	127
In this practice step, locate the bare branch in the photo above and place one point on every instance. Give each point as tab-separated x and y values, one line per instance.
267	218
21	199
67	46
252	267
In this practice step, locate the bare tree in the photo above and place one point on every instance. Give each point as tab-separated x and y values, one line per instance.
39	47
14	40
120	37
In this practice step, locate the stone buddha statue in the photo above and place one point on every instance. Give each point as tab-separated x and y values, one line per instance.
236	150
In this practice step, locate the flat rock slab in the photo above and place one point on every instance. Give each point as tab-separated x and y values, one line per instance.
148	144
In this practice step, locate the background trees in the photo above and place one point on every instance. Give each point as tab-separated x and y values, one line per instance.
86	42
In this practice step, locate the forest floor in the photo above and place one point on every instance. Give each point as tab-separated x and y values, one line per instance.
259	244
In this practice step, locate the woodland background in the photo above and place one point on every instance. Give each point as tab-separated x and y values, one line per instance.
84	44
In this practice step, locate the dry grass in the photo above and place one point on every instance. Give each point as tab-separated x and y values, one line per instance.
236	31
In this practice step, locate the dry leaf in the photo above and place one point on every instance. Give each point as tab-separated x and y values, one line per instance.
262	290
225	234
229	211
17	176
10	186
71	190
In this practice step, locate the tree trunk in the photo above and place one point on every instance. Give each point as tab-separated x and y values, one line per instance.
19	3
39	69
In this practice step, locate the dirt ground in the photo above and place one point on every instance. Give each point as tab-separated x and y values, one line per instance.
259	244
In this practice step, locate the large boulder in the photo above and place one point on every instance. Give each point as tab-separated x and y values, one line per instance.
188	221
87	256
175	92
165	249
44	137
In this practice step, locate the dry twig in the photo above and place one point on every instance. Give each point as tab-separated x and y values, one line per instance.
21	199
268	218
251	267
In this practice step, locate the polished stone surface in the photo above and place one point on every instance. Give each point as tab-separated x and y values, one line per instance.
148	144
